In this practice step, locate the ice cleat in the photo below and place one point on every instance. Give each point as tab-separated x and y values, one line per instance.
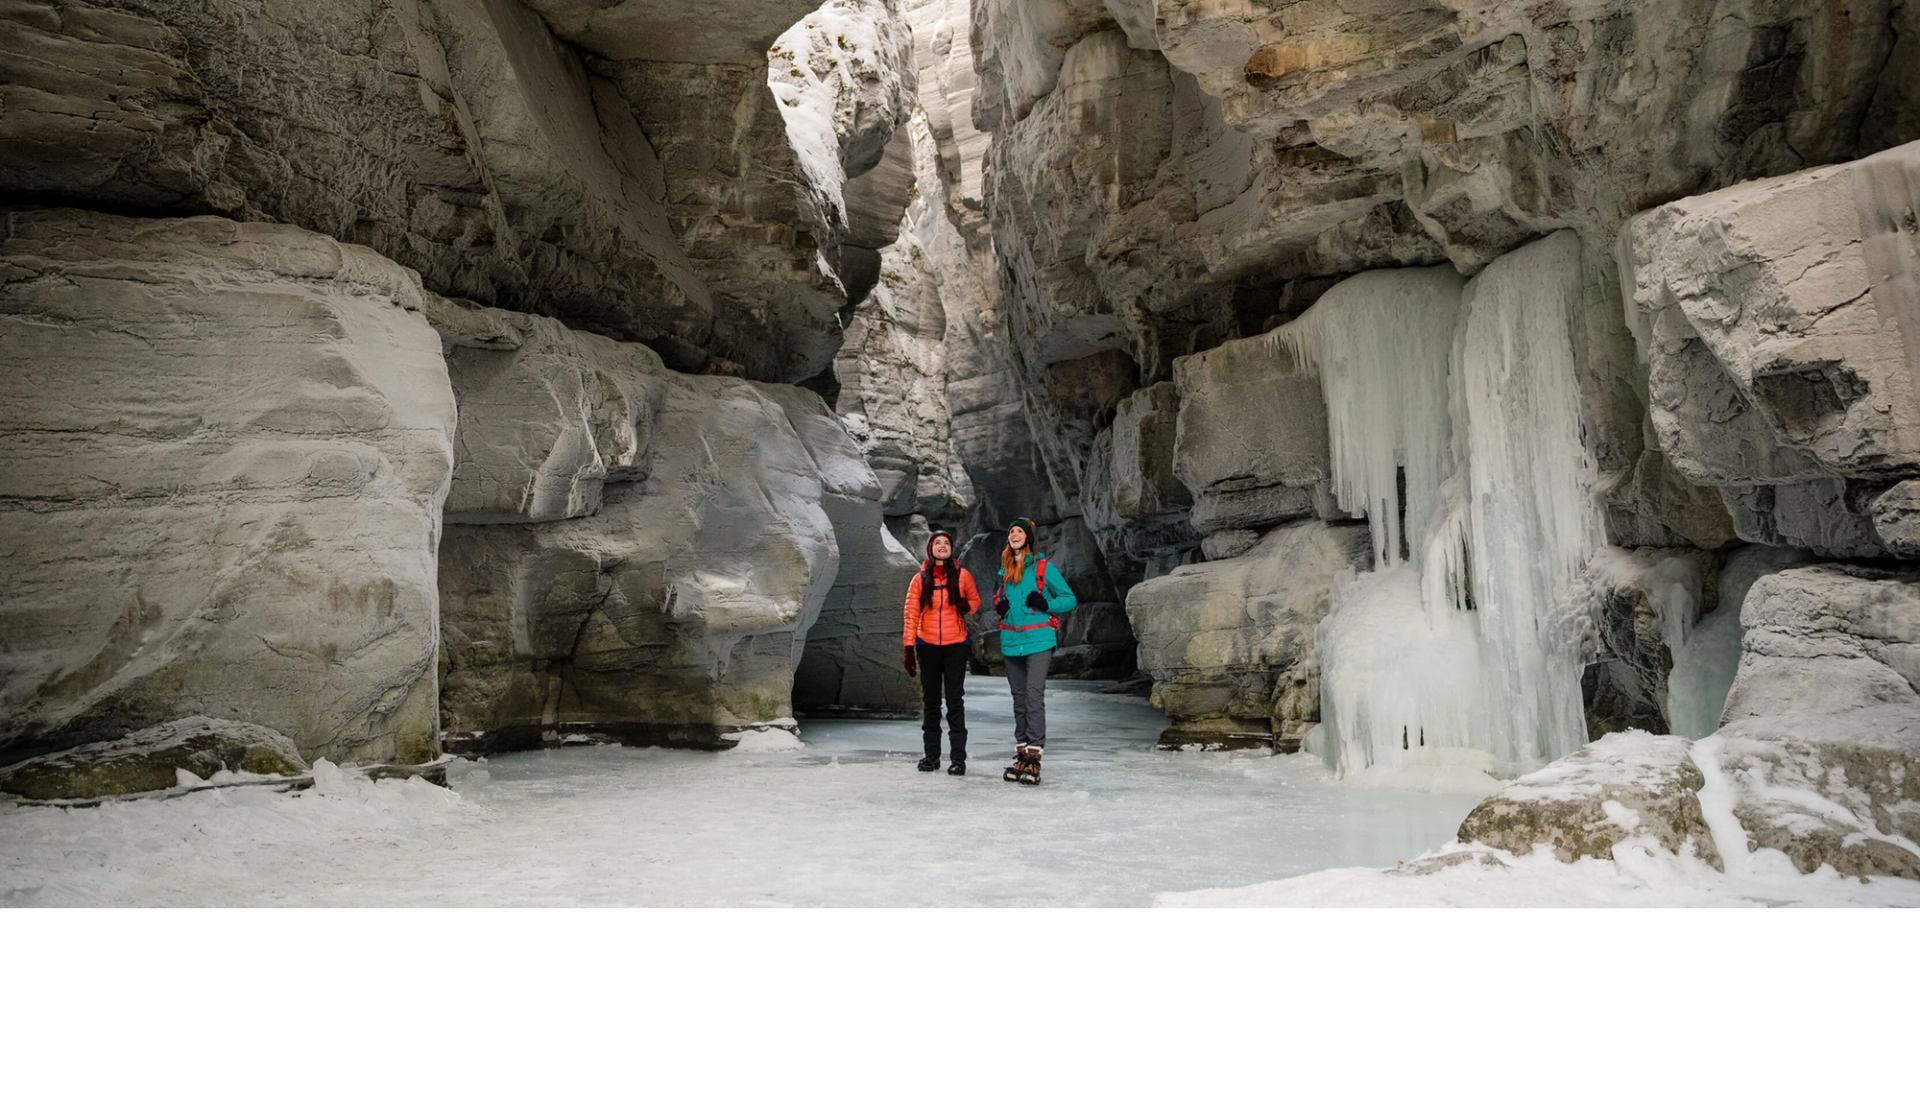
958	769
928	765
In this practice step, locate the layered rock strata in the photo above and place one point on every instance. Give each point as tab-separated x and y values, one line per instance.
553	157
678	606
230	448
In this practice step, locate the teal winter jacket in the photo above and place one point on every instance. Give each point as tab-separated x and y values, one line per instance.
1025	629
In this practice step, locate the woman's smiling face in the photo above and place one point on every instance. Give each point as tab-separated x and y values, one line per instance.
1017	538
941	548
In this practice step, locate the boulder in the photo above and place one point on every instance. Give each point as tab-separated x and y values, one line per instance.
1251	440
151	759
228	447
1821	739
1781	330
1896	518
1629	784
1230	643
1840	792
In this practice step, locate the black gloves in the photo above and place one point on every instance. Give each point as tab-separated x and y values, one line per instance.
1000	604
907	655
1037	603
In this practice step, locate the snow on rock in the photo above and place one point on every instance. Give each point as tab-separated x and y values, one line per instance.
1821	740
227	447
766	739
185	751
1640	874
1627	784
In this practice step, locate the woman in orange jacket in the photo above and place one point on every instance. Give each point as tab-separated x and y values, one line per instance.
939	599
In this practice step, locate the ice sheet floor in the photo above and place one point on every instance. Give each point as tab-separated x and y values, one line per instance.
845	821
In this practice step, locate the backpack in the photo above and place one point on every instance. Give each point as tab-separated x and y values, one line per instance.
1040	584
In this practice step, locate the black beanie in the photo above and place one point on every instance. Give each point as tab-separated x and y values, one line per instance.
1033	537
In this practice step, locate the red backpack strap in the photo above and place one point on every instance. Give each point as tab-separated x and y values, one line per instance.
1040	584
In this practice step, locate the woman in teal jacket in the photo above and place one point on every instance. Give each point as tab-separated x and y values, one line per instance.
1032	594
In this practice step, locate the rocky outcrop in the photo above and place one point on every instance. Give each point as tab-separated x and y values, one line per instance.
1780	320
893	372
1136	507
152	759
1251	445
1230	643
229	446
676	610
852	659
1626	785
548	416
1821	740
572	165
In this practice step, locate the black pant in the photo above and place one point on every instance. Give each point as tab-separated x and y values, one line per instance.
943	664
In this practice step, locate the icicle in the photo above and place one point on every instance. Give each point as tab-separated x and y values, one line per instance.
1472	654
1379	341
1530	493
1705	660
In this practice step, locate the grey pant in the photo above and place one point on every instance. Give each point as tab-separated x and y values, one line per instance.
1027	677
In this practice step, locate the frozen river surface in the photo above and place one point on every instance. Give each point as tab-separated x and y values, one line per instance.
846	821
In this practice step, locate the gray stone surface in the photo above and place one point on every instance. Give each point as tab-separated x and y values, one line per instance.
852	659
897	363
596	175
1230	643
1781	329
677	613
548	415
228	447
1896	518
1251	444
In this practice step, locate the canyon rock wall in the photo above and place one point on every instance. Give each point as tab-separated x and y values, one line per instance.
229	447
601	232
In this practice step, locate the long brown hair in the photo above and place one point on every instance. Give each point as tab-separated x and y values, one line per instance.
1014	565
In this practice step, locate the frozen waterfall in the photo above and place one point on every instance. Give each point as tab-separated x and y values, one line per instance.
1454	419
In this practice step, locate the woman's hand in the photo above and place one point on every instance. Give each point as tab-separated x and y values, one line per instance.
912	670
1001	605
1036	602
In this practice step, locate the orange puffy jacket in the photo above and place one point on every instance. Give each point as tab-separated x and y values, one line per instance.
939	622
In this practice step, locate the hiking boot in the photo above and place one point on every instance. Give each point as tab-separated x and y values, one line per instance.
928	765
958	769
1031	774
1012	772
